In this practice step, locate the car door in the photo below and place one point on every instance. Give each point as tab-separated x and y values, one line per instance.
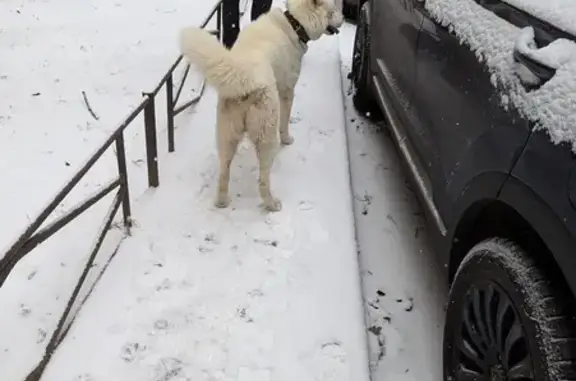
461	130
393	46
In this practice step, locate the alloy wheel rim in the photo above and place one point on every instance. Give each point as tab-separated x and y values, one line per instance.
491	343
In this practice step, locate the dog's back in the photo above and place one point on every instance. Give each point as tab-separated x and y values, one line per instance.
271	41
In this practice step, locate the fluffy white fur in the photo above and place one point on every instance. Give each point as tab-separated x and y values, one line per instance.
255	81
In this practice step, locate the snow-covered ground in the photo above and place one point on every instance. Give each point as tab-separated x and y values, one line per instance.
404	297
201	293
49	54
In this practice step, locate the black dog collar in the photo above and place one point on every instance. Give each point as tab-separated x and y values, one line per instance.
298	28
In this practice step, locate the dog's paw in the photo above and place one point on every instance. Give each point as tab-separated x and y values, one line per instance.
222	202
273	205
287	140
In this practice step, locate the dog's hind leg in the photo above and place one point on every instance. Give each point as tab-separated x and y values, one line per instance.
229	131
266	152
286	100
262	122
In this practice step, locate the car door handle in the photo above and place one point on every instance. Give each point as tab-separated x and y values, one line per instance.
541	71
536	65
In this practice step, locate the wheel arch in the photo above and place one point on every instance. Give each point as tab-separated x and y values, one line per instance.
517	213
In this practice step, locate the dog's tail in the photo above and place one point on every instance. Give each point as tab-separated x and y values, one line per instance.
231	76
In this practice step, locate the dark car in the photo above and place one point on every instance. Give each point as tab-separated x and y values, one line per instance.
351	8
483	119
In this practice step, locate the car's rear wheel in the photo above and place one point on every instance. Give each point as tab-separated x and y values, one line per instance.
362	95
506	321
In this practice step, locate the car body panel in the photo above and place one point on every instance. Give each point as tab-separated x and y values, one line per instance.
449	122
393	51
461	129
352	3
538	189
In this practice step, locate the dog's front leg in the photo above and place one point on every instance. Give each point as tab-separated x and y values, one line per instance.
286	100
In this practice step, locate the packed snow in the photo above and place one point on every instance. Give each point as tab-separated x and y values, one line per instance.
553	105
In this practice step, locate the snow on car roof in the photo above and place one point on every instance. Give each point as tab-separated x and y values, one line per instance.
560	13
553	105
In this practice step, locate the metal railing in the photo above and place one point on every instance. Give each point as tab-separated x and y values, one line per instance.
32	236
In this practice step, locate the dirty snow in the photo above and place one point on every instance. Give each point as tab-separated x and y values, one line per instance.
404	295
553	105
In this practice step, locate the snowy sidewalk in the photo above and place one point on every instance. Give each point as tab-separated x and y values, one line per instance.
200	293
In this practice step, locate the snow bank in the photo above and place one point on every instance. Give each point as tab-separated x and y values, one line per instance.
553	105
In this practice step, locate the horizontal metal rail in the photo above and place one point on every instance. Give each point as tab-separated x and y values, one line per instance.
24	243
45	233
178	110
6	262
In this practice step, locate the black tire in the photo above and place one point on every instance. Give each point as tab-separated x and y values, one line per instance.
506	320
362	95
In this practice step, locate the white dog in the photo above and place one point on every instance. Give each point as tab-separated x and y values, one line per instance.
255	81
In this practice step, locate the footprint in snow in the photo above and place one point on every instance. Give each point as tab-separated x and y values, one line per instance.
25	310
165	285
130	351
83	377
331	362
305	205
243	314
161	324
295	119
169	369
211	238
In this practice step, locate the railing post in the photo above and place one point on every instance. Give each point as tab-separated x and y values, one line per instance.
170	111
123	172
219	21
151	143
